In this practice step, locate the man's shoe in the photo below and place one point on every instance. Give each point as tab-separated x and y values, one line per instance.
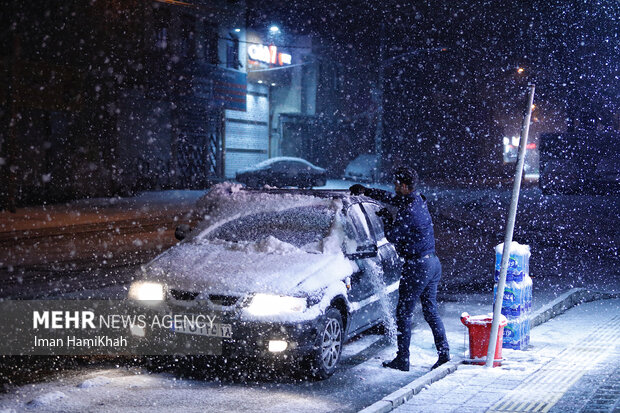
443	359
397	364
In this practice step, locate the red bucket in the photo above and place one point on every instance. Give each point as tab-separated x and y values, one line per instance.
479	327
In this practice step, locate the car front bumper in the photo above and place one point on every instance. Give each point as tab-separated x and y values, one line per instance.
248	338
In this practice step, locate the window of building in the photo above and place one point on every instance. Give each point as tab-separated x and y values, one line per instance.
232	52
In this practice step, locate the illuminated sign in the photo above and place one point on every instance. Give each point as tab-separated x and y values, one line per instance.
268	54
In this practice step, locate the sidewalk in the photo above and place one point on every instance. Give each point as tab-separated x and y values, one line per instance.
572	365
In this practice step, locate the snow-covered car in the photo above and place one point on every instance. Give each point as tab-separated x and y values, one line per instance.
283	171
362	168
291	274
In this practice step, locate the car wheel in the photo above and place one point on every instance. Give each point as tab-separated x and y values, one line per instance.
328	345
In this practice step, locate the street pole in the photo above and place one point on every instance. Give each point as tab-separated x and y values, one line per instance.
510	224
379	126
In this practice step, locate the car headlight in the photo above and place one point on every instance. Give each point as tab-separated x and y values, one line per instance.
267	304
146	291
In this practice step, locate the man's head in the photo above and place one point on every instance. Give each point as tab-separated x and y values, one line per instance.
405	180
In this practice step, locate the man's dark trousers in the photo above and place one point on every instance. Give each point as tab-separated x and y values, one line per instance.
419	278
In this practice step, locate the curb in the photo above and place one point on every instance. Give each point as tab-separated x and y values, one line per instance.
566	301
389	403
553	309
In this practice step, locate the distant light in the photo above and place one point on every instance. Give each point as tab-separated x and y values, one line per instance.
515	141
520	70
533	106
273	84
260	81
237	30
274	29
531	145
506	140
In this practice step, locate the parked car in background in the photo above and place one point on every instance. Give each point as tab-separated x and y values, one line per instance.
286	274
283	171
362	168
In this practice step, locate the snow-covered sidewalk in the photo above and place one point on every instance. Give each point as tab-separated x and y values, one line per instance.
571	364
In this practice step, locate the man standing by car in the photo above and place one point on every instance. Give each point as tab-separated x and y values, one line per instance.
412	234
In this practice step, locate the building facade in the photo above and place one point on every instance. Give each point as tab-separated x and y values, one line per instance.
112	98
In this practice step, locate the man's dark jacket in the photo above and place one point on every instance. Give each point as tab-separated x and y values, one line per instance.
412	229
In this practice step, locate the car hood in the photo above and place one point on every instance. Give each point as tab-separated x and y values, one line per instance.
225	269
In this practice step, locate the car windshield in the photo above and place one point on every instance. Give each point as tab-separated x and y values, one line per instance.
297	226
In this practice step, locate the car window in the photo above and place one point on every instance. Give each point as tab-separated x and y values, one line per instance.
357	226
295	167
297	226
282	166
376	223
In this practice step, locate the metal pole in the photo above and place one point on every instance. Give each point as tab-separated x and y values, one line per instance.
510	224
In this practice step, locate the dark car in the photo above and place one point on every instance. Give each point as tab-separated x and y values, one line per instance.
363	168
287	274
283	171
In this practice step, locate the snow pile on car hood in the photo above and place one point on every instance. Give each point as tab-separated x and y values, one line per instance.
269	245
221	269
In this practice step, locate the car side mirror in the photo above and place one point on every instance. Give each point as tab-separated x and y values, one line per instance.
364	251
181	231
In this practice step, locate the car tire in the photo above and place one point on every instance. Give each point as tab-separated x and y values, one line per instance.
325	356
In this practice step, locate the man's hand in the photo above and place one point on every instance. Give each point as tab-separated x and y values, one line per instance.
357	189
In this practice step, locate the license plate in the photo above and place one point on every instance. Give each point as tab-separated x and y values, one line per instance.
203	327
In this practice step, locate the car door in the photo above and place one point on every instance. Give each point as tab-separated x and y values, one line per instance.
301	174
387	255
280	172
297	173
362	295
